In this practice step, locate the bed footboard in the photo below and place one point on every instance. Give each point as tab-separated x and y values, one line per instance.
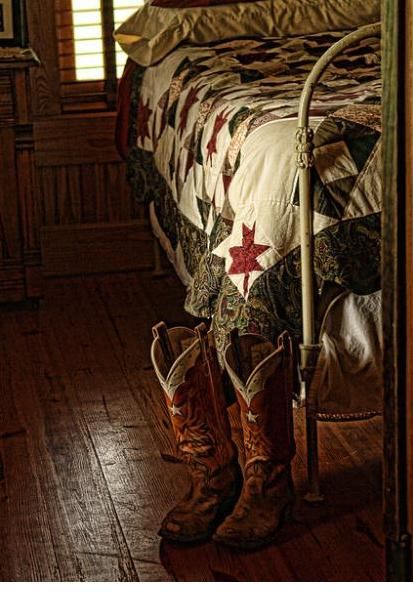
310	348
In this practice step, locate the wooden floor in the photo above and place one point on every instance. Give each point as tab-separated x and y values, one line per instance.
86	462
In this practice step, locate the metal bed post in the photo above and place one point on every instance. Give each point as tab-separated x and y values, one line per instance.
305	161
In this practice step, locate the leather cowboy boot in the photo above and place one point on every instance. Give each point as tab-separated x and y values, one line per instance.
186	364
262	375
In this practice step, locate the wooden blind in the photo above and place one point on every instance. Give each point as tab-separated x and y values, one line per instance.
90	62
122	10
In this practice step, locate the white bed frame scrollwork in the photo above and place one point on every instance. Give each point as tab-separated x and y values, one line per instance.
310	347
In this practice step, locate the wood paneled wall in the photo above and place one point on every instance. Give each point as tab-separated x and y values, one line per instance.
79	178
79	174
84	193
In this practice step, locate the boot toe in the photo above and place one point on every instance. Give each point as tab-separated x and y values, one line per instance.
184	533
171	528
187	525
244	540
252	532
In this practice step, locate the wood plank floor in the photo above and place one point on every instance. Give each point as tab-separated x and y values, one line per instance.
87	465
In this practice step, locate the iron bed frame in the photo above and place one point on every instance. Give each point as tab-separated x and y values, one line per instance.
310	348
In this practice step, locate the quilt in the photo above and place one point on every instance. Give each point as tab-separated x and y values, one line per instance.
211	148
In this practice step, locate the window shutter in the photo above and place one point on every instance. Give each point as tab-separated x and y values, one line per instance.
89	60
123	10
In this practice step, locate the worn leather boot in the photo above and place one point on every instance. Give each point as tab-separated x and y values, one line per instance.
186	364
263	376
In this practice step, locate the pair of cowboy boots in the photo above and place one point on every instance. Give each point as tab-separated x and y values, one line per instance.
239	511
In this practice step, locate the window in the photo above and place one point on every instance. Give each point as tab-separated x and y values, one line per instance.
90	61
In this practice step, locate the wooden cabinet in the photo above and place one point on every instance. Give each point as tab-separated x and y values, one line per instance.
19	262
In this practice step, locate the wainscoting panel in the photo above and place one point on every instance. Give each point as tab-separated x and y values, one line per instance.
95	248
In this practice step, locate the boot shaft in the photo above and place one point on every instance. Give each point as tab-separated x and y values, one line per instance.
262	374
186	364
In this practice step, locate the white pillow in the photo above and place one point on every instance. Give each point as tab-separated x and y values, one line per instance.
152	32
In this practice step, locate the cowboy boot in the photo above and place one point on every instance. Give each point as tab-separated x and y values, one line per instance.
262	375
186	364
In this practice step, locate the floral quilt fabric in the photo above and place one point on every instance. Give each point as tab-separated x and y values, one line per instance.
213	147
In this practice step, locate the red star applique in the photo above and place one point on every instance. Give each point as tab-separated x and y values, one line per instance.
163	105
226	180
244	259
220	121
191	99
144	114
189	163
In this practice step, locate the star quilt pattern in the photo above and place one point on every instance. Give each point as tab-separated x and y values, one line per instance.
212	136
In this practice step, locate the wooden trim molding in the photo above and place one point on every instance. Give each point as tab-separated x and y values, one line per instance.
395	295
42	37
409	257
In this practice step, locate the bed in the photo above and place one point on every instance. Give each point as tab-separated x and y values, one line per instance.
209	133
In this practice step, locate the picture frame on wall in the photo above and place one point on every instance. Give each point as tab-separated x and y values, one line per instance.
12	23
